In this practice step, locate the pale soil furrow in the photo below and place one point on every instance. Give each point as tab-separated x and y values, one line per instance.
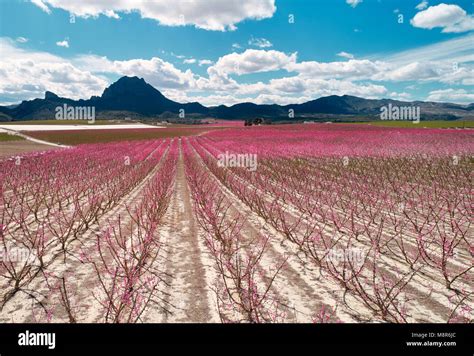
187	298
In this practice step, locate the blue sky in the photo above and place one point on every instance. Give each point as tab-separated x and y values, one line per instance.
222	51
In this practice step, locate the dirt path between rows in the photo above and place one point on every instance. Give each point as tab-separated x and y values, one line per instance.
188	294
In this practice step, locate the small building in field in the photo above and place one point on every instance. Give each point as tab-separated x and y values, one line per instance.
257	122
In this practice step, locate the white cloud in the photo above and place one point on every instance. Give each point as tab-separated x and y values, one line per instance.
353	3
422	5
451	18
22	39
179	56
156	71
64	43
456	50
216	83
207	100
309	87
400	96
41	5
267	97
353	69
411	71
345	55
26	74
215	100
251	61
205	62
316	87
216	15
281	99
460	96
236	46
220	88
447	62
461	75
260	42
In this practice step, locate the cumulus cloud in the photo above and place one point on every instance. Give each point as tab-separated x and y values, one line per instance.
316	87
451	18
251	61
22	39
460	96
156	71
422	5
298	85
403	96
26	74
41	5
205	62
353	68
260	42
216	15
411	71
345	55
64	43
353	3
280	99
207	100
220	88
448	61
461	75
216	99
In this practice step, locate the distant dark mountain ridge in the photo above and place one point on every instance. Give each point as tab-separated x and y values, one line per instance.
132	96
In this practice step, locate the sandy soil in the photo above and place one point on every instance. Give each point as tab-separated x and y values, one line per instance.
188	296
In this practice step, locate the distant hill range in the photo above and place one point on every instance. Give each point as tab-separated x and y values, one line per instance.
132	97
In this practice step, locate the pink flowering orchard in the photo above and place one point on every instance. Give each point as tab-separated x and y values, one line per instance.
322	223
